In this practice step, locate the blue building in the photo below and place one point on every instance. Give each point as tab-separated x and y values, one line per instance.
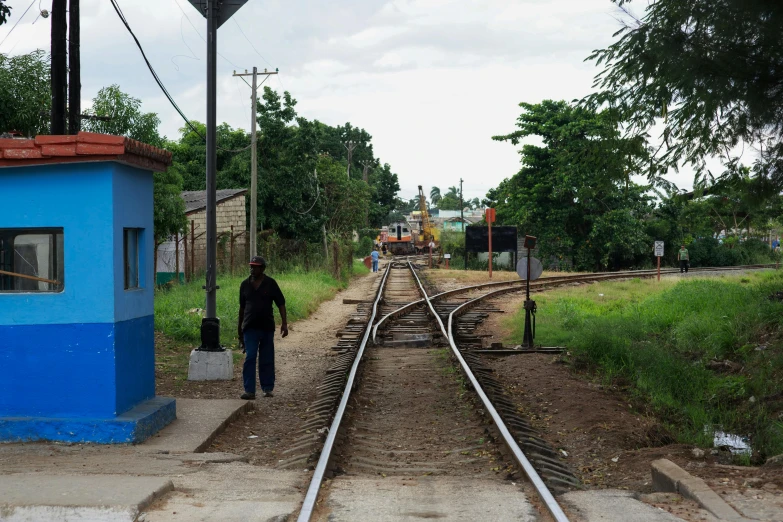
77	356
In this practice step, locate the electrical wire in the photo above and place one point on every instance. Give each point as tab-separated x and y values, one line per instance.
160	83
17	23
251	43
317	195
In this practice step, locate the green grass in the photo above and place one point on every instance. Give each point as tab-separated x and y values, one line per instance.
303	292
656	340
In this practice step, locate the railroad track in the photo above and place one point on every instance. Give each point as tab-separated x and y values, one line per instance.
383	396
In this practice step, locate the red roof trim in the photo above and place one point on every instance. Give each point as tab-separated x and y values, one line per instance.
85	146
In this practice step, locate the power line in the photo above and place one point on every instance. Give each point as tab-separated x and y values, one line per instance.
17	23
251	43
158	80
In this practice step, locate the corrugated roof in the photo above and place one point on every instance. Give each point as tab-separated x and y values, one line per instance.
196	200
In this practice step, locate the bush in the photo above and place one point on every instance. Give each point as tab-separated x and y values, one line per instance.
710	252
364	246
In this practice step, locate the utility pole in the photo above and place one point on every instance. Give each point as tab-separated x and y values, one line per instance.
59	66
350	145
366	164
462	218
254	159
74	70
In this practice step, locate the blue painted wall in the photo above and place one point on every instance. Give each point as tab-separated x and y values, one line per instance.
78	198
133	208
86	352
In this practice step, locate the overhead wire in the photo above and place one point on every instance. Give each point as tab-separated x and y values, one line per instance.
157	79
17	23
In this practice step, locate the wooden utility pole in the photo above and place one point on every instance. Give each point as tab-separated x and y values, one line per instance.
350	145
366	164
59	66
254	159
74	70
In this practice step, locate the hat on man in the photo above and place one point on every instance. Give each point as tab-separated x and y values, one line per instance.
257	261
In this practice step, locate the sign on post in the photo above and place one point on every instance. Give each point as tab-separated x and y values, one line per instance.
658	249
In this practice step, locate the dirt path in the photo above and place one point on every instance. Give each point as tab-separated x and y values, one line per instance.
301	360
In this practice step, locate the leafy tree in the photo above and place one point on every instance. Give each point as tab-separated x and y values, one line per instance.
128	120
711	71
574	192
5	12
343	202
435	195
124	117
25	93
450	200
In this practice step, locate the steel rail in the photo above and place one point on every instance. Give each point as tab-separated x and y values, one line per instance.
551	504
318	475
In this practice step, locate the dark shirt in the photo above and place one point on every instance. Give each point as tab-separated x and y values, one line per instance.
258	304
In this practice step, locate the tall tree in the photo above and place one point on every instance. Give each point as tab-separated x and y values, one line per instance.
124	117
127	119
574	191
435	195
25	93
5	12
711	71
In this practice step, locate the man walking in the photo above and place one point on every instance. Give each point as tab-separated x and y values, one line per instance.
682	257
374	255
256	328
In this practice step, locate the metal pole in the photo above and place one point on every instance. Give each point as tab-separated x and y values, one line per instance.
176	256
211	342
74	70
527	336
659	268
59	74
253	171
462	217
489	228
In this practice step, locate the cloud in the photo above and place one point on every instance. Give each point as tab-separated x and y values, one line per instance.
431	80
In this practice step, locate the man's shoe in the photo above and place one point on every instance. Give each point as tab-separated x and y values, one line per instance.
268	394
248	396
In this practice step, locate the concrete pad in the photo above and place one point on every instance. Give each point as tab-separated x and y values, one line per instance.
210	366
611	505
670	477
394	499
198	422
104	498
235	492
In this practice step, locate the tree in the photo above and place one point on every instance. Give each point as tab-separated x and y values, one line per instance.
343	202
5	12
435	195
127	119
574	192
25	93
124	117
450	200
711	71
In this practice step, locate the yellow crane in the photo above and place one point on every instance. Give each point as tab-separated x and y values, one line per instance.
428	232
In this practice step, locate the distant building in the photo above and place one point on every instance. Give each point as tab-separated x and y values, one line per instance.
231	211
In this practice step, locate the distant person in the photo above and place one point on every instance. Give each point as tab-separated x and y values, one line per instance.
683	258
256	328
374	255
383	249
776	245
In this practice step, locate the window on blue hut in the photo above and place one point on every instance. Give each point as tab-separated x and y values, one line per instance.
131	237
31	260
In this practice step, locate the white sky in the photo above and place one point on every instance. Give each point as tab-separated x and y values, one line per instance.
430	80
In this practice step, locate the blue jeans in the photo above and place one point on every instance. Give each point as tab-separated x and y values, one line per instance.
374	265
259	345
